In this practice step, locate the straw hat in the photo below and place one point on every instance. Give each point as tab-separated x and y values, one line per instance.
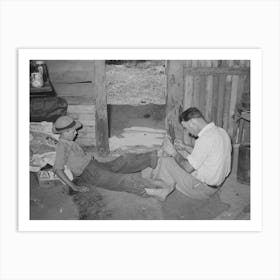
65	123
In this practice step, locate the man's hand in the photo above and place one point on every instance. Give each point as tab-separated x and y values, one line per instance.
168	148
182	147
63	177
178	144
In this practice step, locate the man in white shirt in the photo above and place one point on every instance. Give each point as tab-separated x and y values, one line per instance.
198	171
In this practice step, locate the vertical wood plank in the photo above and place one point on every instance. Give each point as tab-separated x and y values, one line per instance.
232	107
230	63
215	63
175	95
236	63
188	102
242	63
202	94
208	63
240	89
188	63
227	102
194	63
202	63
209	98
101	128
196	91
224	63
246	132
188	95
221	95
215	98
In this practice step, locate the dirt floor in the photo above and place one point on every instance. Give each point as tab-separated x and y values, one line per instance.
50	201
136	94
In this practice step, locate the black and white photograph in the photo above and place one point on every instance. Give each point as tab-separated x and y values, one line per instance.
140	139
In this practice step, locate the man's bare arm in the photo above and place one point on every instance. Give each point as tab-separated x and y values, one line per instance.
183	162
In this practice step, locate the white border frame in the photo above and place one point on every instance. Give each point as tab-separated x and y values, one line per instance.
254	55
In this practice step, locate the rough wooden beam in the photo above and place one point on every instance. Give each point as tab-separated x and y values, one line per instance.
175	95
209	98
232	108
227	98
188	101
101	127
221	96
215	98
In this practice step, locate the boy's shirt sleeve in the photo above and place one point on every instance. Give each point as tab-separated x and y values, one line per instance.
60	159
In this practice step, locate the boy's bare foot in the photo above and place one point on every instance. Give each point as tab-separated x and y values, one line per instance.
81	189
160	193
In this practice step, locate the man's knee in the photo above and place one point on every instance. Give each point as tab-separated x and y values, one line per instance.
166	160
169	162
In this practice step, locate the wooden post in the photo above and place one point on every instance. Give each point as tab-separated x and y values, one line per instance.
221	94
101	127
240	89
188	102
209	98
175	95
215	98
227	102
202	94
232	108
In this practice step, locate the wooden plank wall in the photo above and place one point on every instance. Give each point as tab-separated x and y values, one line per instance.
216	87
74	81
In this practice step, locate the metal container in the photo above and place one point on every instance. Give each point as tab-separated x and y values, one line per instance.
38	74
243	169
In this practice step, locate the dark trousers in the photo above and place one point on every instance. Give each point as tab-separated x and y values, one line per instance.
119	174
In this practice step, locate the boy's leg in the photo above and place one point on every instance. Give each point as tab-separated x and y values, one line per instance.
96	175
131	162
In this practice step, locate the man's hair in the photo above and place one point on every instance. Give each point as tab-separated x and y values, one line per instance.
191	113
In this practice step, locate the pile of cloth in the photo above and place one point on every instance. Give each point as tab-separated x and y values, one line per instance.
42	145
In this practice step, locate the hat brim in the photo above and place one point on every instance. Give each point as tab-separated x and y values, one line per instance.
77	125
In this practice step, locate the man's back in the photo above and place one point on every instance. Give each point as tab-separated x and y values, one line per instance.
211	156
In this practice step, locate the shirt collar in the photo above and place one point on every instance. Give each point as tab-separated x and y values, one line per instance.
205	128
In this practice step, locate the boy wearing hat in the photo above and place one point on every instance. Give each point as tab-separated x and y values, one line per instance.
111	175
